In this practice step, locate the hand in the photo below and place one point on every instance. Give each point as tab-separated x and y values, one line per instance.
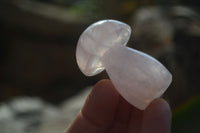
105	111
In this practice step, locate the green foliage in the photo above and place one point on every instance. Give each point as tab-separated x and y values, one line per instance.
88	8
187	118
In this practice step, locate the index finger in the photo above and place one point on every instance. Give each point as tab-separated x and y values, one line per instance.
98	111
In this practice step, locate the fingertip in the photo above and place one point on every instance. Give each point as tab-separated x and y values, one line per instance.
101	104
99	109
157	117
105	87
159	105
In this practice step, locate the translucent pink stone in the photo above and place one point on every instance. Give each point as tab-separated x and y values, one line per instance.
138	77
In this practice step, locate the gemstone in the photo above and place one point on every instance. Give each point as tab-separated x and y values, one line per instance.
138	77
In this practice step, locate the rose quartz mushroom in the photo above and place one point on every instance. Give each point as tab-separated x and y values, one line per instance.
138	77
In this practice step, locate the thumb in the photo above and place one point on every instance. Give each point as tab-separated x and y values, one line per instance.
157	117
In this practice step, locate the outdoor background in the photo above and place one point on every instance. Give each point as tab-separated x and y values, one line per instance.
38	69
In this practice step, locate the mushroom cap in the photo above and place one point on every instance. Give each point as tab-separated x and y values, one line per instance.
96	40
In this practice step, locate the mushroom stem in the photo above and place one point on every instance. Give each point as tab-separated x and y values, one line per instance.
138	77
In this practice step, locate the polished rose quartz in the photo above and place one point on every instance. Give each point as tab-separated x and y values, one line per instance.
138	77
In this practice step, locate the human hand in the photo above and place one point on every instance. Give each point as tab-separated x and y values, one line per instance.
105	111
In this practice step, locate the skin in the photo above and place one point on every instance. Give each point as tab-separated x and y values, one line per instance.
105	111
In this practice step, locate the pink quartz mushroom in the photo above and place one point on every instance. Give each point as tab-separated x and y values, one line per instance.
138	77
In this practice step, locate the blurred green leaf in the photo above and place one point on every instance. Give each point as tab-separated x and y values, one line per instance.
88	8
186	119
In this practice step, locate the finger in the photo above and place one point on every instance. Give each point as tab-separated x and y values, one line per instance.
98	111
135	121
157	117
122	117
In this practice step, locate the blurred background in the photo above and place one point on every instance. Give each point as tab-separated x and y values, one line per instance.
41	86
